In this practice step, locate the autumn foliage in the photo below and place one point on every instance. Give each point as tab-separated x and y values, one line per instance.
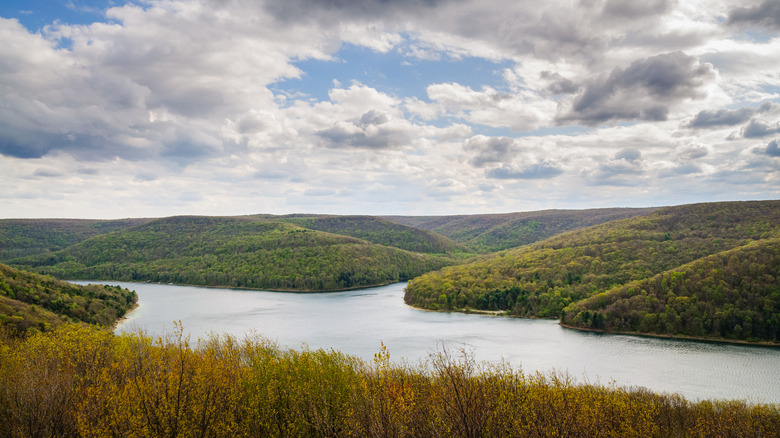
81	381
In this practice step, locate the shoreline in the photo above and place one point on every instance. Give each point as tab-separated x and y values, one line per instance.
763	344
296	291
481	312
500	313
125	317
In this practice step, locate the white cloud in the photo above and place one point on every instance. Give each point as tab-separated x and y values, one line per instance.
518	111
174	107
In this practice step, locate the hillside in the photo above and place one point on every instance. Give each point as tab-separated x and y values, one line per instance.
24	237
35	302
734	294
496	232
379	231
235	252
542	279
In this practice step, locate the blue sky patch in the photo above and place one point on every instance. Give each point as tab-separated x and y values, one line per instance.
36	14
393	73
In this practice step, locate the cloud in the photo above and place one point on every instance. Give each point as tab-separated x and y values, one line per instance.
292	10
630	155
166	98
760	128
490	150
513	163
687	159
373	130
47	173
520	111
625	169
724	117
646	90
157	82
541	170
680	169
693	151
772	149
629	9
766	14
559	84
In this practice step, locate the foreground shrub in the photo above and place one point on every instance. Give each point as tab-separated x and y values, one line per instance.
81	381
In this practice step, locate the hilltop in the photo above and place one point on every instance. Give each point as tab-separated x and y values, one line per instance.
495	232
380	231
550	279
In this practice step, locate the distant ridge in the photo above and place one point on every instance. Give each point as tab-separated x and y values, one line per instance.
495	232
23	237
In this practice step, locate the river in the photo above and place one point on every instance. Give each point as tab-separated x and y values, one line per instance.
355	322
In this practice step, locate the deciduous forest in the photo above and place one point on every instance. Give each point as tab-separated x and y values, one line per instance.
30	303
235	252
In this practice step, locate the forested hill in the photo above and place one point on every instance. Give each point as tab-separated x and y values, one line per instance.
236	252
542	279
379	231
31	302
23	237
733	294
495	232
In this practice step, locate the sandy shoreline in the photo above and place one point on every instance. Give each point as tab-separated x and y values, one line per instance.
125	317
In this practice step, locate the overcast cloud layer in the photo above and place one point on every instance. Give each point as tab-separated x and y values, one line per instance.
223	107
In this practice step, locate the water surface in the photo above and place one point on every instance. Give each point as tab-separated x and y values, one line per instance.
355	322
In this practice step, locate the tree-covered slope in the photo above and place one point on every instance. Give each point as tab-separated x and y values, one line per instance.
236	252
734	294
495	232
23	237
380	231
30	301
542	279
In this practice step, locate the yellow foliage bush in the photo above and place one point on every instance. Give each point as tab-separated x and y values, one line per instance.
81	381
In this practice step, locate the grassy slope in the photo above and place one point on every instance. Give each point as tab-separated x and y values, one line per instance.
31	301
24	237
236	252
541	280
495	232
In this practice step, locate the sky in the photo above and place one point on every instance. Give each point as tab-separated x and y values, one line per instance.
153	108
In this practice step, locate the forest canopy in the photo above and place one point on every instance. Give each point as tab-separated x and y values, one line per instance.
235	252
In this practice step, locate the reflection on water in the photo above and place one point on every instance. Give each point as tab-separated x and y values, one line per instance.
356	322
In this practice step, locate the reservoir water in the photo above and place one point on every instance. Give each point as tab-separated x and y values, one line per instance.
355	322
